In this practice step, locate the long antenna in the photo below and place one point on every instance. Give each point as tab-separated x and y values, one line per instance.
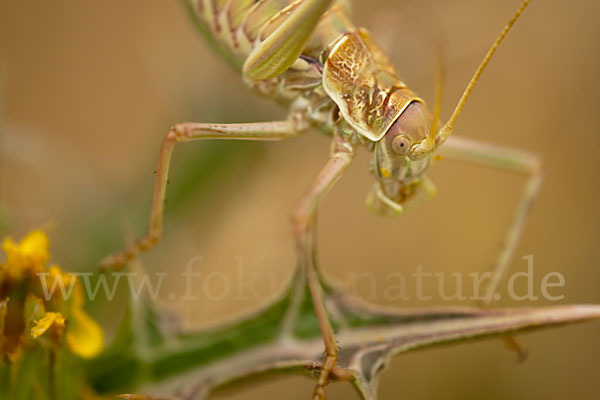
447	129
439	94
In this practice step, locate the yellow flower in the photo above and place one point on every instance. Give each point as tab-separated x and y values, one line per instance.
83	336
30	255
51	320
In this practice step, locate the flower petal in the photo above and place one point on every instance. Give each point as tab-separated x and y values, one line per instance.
49	320
84	336
31	254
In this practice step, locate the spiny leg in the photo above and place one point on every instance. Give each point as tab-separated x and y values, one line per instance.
182	133
303	224
269	59
479	153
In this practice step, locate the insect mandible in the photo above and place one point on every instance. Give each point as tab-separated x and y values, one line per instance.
308	56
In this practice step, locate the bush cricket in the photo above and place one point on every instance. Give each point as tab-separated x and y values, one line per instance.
308	56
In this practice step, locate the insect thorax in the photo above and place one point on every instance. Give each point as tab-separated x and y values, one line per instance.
351	86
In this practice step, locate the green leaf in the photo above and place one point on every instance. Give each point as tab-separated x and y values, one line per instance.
284	338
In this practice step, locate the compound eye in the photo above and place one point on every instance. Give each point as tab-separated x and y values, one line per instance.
401	145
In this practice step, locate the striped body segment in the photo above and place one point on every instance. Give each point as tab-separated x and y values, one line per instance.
236	27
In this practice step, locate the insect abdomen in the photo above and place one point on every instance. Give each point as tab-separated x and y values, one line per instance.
235	27
232	26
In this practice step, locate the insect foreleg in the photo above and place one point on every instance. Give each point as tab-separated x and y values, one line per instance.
183	133
303	224
508	159
282	47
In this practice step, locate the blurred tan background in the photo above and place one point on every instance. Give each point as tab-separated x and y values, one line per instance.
89	88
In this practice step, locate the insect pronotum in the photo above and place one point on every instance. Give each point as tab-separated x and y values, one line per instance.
308	56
